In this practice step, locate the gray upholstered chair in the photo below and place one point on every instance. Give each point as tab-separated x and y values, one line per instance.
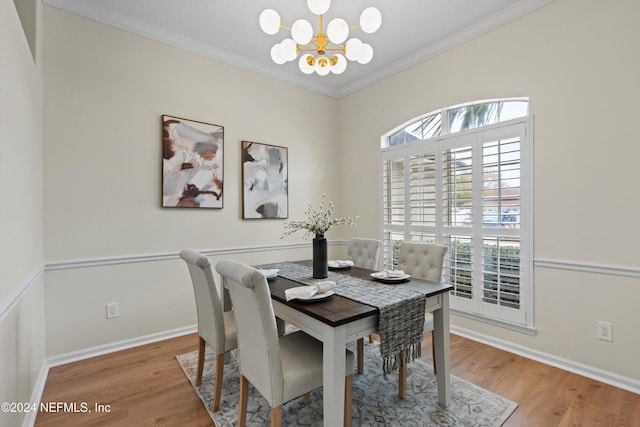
364	253
216	327
280	368
423	261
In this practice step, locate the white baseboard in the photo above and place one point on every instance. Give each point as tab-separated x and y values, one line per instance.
87	353
606	377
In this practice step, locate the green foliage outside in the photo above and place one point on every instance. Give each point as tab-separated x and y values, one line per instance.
501	271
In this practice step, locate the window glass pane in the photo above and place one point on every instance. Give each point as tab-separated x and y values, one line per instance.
457	186
429	126
422	237
422	181
391	245
478	115
501	272
397	138
393	191
513	110
458	265
425	128
459	119
473	116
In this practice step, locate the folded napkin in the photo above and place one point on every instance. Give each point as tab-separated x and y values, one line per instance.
339	263
269	273
391	274
306	292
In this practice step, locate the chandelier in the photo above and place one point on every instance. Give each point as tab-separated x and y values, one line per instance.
322	52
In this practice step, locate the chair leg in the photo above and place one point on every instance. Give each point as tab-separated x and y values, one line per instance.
218	387
244	395
402	375
433	354
201	349
276	416
306	399
360	352
370	338
348	400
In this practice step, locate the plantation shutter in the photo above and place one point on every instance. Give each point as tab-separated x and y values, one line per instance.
464	191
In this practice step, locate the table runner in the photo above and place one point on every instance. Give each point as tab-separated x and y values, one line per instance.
401	319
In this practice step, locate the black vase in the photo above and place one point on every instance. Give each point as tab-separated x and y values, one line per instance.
320	261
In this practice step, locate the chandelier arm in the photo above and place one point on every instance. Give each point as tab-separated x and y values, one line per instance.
313	49
343	49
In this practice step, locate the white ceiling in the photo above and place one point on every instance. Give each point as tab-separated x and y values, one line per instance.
228	31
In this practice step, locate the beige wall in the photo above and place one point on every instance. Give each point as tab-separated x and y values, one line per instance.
21	249
578	62
105	92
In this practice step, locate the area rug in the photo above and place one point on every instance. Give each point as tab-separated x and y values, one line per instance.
375	399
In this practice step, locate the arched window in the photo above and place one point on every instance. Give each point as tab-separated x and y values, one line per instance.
461	176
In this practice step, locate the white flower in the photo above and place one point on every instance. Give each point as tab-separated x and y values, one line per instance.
318	221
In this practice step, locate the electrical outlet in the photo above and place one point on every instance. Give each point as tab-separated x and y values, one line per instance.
113	310
605	331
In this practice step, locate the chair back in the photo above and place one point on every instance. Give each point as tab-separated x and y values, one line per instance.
364	253
422	260
258	343
208	302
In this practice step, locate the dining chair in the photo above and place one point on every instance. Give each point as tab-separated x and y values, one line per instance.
423	261
216	327
281	368
364	253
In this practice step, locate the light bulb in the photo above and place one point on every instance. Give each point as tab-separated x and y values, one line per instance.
353	49
270	21
288	49
366	54
307	63
338	30
322	66
276	54
338	63
302	32
370	20
318	7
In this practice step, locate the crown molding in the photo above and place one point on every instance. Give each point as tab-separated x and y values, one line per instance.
161	35
98	14
492	22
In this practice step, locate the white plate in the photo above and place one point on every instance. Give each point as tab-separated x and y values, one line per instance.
270	274
316	297
382	277
340	265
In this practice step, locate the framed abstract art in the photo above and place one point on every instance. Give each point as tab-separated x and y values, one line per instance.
192	163
265	178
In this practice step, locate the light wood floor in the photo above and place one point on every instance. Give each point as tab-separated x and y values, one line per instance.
145	386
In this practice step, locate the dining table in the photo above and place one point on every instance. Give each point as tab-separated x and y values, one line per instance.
338	321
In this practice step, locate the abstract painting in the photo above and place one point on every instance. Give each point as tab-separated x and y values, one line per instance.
266	181
192	163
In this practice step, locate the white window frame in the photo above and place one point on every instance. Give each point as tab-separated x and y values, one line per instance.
521	319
